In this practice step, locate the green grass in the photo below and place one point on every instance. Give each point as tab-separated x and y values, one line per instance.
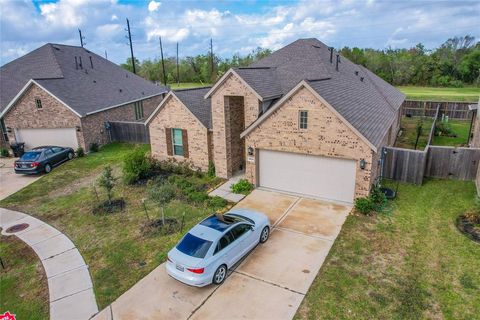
187	85
408	134
410	264
460	128
23	284
468	94
114	246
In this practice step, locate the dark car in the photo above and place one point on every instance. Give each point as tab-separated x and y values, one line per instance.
42	159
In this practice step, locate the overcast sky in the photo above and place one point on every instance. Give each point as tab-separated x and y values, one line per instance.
235	26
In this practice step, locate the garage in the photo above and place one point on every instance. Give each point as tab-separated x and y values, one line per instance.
309	175
64	137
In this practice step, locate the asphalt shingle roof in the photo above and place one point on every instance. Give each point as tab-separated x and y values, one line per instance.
84	89
194	100
369	105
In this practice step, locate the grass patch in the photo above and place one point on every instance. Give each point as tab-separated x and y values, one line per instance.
460	128
466	94
117	251
187	85
412	264
23	283
409	133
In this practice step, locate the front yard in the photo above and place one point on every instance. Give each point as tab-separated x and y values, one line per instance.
118	250
410	264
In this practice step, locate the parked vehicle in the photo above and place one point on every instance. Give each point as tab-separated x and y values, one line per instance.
42	159
209	249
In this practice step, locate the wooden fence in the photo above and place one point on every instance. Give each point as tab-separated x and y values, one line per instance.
404	165
454	110
129	132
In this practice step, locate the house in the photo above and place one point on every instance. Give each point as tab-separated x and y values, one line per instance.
64	95
304	120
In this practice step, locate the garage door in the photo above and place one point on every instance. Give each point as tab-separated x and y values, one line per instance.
63	137
315	176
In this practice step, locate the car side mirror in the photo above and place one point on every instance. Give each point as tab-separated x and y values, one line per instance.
252	228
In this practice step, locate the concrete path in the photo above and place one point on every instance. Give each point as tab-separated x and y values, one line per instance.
225	190
270	283
69	283
10	182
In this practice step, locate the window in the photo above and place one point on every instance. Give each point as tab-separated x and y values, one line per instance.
177	141
48	153
138	106
224	242
38	103
240	230
57	149
194	246
303	119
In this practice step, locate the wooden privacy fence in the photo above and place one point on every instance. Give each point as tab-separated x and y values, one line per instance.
129	132
454	110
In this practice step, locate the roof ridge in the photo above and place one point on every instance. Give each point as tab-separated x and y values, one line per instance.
191	89
53	52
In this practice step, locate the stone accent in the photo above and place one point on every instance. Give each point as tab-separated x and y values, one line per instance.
326	136
225	97
175	115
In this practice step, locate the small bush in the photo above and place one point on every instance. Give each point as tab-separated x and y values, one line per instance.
364	205
175	167
4	152
197	197
80	152
378	199
211	169
242	187
107	181
136	166
93	147
162	193
444	129
217	202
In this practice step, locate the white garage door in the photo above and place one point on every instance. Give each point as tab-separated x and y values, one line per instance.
315	176
63	137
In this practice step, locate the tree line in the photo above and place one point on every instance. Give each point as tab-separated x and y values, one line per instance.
454	63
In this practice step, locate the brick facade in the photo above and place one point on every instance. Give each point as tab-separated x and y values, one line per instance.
174	115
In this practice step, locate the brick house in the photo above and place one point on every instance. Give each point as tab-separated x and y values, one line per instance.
63	95
303	120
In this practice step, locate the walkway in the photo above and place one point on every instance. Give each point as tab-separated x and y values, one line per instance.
225	190
69	283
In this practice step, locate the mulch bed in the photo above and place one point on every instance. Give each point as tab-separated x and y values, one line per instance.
468	228
171	226
116	205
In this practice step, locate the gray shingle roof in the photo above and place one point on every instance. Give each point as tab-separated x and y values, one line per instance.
85	90
263	80
194	100
369	105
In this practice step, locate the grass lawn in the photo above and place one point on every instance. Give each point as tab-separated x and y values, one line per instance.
23	283
409	133
460	128
469	94
187	85
117	251
410	264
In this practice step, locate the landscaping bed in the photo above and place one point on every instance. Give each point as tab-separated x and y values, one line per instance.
410	263
408	132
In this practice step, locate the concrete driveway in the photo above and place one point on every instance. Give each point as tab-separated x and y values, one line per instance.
10	182
269	283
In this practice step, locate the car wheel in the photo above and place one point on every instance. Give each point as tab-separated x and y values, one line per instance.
70	156
48	168
264	235
220	274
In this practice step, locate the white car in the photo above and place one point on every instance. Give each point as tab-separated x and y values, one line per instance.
209	249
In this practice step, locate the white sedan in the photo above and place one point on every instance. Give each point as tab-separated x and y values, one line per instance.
209	249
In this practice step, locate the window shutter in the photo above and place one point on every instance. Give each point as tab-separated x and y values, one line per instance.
168	134
185	143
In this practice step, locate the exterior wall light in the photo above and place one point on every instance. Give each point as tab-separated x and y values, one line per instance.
363	164
78	128
9	129
250	151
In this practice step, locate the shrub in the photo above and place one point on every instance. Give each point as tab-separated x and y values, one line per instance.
162	193
364	205
217	202
107	181
173	166
378	199
197	196
242	186
211	169
93	147
4	152
443	129
136	166
80	152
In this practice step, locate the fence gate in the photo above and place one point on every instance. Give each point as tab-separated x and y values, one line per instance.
136	132
450	162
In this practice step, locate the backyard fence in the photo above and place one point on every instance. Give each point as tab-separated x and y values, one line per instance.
454	110
129	132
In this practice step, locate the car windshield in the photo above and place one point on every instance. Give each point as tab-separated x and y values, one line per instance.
194	246
30	156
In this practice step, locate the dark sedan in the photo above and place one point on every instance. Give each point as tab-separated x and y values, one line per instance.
42	159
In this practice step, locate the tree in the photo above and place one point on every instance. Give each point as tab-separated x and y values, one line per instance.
107	181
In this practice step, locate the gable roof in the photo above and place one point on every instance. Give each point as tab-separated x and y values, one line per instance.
98	84
193	100
363	99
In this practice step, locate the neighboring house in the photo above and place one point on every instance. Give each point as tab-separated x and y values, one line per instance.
303	120
64	95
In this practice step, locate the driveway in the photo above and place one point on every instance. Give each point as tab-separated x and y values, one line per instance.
10	182
269	283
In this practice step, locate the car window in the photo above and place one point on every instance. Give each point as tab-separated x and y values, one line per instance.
194	246
239	230
30	156
57	149
48	152
224	242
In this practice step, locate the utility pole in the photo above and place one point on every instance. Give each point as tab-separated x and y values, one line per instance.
131	46
178	71
81	38
163	62
106	55
211	60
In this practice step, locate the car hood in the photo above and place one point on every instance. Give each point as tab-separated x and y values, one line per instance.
181	258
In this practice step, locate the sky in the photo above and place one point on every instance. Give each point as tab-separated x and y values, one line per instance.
235	26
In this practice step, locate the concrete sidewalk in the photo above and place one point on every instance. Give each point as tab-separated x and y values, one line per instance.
225	191
69	283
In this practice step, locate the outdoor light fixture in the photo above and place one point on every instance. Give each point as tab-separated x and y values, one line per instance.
9	129
250	151
78	128
363	163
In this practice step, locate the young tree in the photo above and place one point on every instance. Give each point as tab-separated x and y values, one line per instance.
107	181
